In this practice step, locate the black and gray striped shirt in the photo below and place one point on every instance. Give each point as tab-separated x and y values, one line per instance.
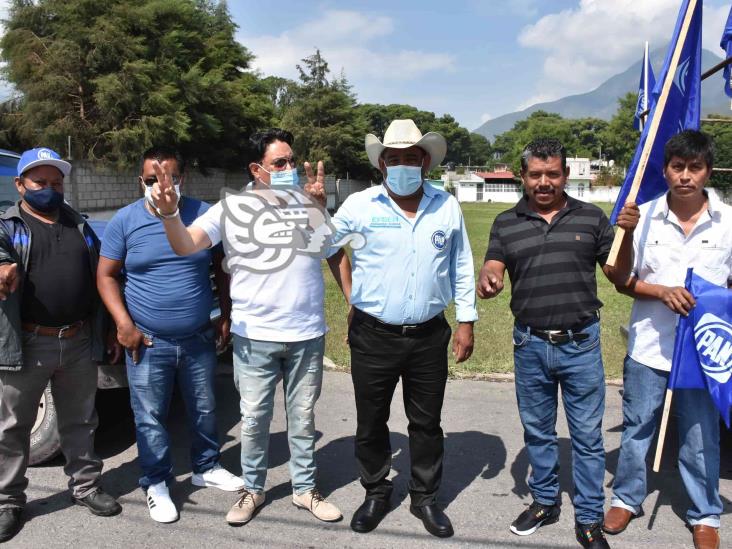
552	265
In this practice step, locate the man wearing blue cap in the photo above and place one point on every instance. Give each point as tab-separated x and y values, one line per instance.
51	329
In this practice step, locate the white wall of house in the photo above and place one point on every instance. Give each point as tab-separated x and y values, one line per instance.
474	191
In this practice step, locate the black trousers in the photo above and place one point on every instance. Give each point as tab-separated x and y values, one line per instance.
378	359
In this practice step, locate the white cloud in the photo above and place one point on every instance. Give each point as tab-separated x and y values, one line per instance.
599	38
348	40
485	117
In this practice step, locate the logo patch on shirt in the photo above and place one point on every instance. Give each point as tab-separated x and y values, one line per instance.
385	222
439	240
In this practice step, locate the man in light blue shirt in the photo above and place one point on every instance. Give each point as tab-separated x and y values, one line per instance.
415	260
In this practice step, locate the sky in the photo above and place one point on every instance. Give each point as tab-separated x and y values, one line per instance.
473	59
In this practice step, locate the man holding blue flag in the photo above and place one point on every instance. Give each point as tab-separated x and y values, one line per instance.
687	227
675	106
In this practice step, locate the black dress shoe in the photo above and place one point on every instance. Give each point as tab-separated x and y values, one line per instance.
9	522
99	503
434	519
369	515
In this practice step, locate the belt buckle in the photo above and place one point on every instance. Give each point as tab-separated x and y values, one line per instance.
407	327
63	329
550	334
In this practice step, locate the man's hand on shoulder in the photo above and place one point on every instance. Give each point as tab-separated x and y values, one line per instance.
315	185
9	280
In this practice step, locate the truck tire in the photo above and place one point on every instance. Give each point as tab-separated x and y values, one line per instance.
44	442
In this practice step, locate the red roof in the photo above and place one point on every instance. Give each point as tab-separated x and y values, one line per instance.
495	175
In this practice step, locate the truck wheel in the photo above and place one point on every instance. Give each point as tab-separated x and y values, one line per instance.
44	442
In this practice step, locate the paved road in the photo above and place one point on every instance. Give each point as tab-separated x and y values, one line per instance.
484	485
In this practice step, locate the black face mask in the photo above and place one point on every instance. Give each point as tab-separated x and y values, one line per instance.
43	200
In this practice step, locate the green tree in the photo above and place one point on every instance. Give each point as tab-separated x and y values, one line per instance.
619	138
121	75
721	133
323	119
538	124
481	153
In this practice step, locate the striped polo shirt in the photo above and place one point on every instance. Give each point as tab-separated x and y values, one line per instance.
552	265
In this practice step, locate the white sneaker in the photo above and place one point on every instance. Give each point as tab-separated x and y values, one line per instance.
162	508
218	477
314	502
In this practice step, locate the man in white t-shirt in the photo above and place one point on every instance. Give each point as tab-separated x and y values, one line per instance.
273	235
687	227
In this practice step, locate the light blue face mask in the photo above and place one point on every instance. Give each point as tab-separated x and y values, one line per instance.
283	178
404	180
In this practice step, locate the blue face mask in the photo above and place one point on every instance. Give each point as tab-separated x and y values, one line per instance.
404	180
43	200
283	178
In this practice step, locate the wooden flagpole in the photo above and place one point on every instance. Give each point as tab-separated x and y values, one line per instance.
662	430
653	130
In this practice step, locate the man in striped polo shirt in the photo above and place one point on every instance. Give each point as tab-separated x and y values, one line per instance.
550	243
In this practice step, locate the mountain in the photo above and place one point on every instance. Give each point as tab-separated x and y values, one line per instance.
602	102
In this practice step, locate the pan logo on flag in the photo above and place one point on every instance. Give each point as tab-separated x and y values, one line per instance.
713	337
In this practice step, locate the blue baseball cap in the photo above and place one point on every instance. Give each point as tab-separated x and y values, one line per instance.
42	157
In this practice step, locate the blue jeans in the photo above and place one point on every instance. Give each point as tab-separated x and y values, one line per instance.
193	360
258	367
644	389
541	368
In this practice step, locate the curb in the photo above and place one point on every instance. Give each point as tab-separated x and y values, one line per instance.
331	366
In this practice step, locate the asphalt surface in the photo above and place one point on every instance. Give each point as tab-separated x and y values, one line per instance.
484	486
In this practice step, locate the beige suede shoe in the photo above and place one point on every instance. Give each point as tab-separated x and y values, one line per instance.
314	502
243	510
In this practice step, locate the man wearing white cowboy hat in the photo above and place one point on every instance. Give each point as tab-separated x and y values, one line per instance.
416	260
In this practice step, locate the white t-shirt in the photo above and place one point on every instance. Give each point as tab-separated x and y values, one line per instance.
662	255
277	288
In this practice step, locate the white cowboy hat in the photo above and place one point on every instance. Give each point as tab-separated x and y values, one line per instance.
402	134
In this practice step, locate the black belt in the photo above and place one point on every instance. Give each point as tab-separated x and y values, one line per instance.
401	329
558	337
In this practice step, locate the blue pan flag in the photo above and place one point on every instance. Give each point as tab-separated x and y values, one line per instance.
645	86
726	45
703	347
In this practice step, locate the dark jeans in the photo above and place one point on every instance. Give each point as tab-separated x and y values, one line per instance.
192	360
378	359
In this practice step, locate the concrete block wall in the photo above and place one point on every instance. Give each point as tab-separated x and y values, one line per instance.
97	186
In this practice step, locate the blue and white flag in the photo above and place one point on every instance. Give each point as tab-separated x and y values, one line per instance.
726	45
646	84
680	111
703	347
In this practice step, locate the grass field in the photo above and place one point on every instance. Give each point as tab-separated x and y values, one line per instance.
493	346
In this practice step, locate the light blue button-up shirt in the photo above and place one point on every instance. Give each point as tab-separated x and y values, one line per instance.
409	269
